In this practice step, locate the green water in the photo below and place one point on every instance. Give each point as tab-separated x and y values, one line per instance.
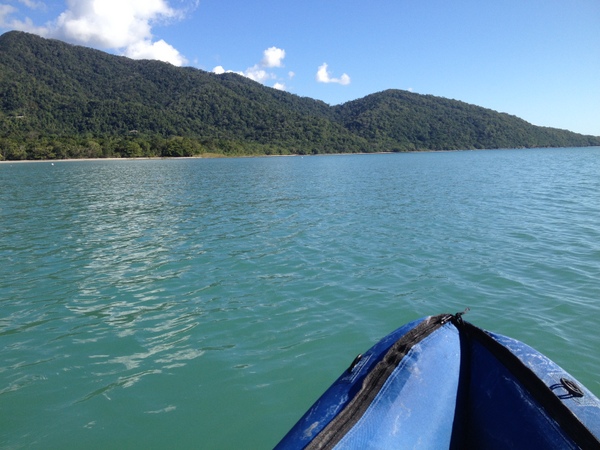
208	303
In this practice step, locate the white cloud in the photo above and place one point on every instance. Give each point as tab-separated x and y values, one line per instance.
155	50
7	22
219	70
272	58
257	73
5	11
121	25
324	76
32	4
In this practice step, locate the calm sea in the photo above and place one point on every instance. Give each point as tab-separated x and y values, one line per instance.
206	303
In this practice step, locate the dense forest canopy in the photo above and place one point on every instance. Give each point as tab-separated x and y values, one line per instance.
63	101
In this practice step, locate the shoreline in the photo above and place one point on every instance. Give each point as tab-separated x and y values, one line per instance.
219	155
141	158
212	156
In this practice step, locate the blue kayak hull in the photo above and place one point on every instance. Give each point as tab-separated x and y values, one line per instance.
440	382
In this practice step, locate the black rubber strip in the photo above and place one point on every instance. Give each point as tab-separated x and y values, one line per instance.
372	384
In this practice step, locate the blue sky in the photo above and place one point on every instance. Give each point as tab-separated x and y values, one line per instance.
536	59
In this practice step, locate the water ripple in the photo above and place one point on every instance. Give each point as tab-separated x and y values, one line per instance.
234	291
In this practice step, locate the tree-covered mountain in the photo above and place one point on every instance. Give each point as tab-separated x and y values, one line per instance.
400	120
59	100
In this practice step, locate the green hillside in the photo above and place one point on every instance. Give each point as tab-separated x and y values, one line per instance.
400	121
58	100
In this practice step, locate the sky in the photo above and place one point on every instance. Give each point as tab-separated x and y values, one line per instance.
535	59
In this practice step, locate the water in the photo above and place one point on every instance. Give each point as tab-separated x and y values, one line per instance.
208	303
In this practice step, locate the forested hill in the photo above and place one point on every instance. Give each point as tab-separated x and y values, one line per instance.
58	100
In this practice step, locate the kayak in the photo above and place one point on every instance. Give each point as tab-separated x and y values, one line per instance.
440	382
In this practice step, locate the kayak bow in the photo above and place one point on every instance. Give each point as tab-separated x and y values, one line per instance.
440	382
